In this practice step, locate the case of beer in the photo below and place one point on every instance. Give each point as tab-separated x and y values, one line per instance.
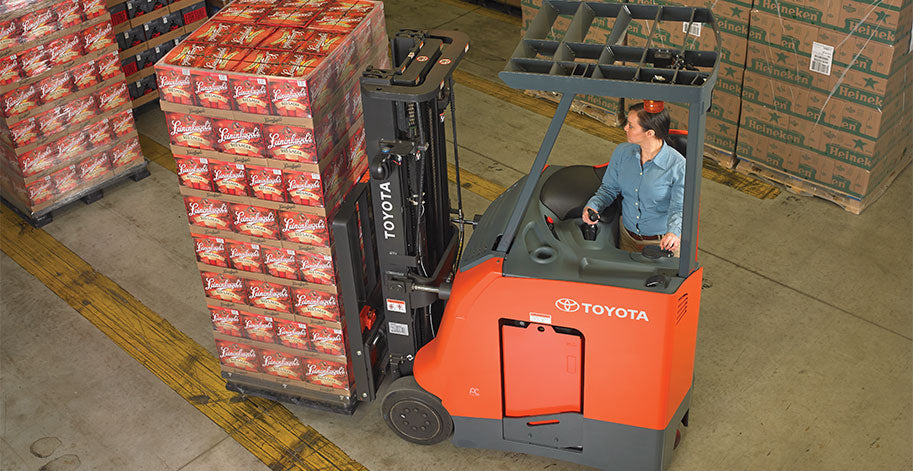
66	128
263	110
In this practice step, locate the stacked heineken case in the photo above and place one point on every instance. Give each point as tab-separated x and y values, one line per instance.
828	91
263	107
67	128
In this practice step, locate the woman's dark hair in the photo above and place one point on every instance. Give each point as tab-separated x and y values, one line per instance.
657	122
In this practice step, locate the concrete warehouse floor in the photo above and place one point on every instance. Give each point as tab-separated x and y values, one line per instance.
803	359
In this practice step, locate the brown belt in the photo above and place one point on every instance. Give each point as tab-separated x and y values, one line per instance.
642	238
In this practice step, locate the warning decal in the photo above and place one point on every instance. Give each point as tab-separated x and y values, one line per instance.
396	305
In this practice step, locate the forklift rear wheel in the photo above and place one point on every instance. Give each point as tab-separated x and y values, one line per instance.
414	414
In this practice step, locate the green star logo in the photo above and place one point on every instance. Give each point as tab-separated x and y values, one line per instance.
774	117
870	82
729	72
781	57
881	16
736	11
723	128
858	144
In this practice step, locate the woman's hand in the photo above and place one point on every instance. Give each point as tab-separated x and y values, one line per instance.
670	241
586	215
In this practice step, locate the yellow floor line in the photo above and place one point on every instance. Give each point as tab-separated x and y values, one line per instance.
746	184
474	183
266	428
157	153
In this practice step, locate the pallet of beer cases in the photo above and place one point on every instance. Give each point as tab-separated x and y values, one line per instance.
263	108
66	127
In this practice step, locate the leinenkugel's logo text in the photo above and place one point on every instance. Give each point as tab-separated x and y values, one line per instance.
570	305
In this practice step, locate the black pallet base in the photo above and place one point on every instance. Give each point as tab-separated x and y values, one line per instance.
46	216
247	390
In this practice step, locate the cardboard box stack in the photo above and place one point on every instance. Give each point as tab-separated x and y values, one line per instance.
827	95
605	109
264	110
67	128
146	30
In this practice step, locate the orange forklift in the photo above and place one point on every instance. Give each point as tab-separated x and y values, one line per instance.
537	334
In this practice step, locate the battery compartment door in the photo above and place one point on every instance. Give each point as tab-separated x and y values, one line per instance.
542	369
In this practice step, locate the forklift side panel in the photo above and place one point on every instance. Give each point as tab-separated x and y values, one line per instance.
641	344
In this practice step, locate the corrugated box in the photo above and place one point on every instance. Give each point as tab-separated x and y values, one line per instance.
885	22
827	105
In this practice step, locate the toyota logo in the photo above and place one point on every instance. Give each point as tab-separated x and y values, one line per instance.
567	305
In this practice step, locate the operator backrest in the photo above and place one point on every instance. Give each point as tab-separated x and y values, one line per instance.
679	141
566	191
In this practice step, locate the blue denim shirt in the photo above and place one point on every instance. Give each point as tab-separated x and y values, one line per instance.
652	195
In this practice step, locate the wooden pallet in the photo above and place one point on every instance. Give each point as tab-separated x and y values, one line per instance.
45	216
802	187
721	157
289	391
586	109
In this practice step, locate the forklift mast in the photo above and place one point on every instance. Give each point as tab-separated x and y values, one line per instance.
416	242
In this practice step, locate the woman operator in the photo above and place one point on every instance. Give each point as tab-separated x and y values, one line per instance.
650	176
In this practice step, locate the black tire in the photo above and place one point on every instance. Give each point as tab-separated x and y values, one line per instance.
415	415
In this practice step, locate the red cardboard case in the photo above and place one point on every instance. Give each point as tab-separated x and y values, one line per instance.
238	355
226	321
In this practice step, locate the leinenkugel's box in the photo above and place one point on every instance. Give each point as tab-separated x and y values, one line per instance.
65	121
263	108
